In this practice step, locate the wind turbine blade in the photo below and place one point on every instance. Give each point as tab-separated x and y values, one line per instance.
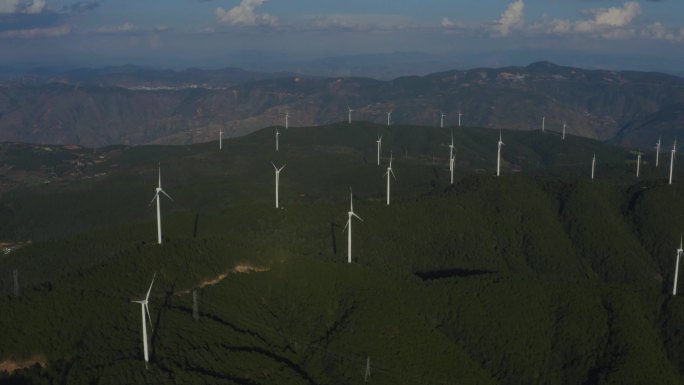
346	225
274	166
281	169
358	217
152	201
167	195
395	177
149	318
150	289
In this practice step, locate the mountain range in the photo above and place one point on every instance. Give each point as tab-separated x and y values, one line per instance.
132	105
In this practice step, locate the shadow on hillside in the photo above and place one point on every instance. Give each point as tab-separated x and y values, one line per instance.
451	273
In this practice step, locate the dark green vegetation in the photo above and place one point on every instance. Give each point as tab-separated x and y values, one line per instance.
625	108
539	276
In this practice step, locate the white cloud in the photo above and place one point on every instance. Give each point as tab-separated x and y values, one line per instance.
608	23
658	31
446	23
245	15
34	33
512	17
22	6
359	22
123	28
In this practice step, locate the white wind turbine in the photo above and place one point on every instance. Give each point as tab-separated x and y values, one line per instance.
221	139
459	118
158	198
379	142
146	311
277	181
638	163
680	252
672	158
348	226
543	123
658	151
350	114
287	118
277	134
564	125
498	156
441	119
593	166
389	118
389	171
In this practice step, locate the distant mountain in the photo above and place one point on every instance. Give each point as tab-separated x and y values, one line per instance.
624	107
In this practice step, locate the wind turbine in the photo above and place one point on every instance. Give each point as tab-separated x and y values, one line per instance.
459	118
498	156
277	181
593	166
389	171
543	123
350	114
564	124
287	117
389	118
158	198
658	151
441	119
146	310
277	134
379	142
680	252
638	163
348	226
220	139
672	158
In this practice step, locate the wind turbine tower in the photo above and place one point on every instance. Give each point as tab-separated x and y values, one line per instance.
158	198
146	311
348	226
221	139
389	171
672	159
277	134
287	118
564	125
680	252
277	182
543	123
498	156
389	118
638	163
350	114
441	120
658	151
459	118
379	142
593	166
451	146
452	165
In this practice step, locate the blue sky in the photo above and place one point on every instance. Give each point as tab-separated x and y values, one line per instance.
216	33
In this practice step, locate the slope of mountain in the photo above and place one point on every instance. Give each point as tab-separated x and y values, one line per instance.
627	108
538	276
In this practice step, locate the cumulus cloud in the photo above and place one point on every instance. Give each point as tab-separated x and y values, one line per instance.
22	6
658	31
609	23
512	17
245	14
83	6
33	33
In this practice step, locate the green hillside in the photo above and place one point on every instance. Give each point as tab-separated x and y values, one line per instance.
538	276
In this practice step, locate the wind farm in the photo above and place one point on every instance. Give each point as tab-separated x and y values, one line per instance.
287	274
